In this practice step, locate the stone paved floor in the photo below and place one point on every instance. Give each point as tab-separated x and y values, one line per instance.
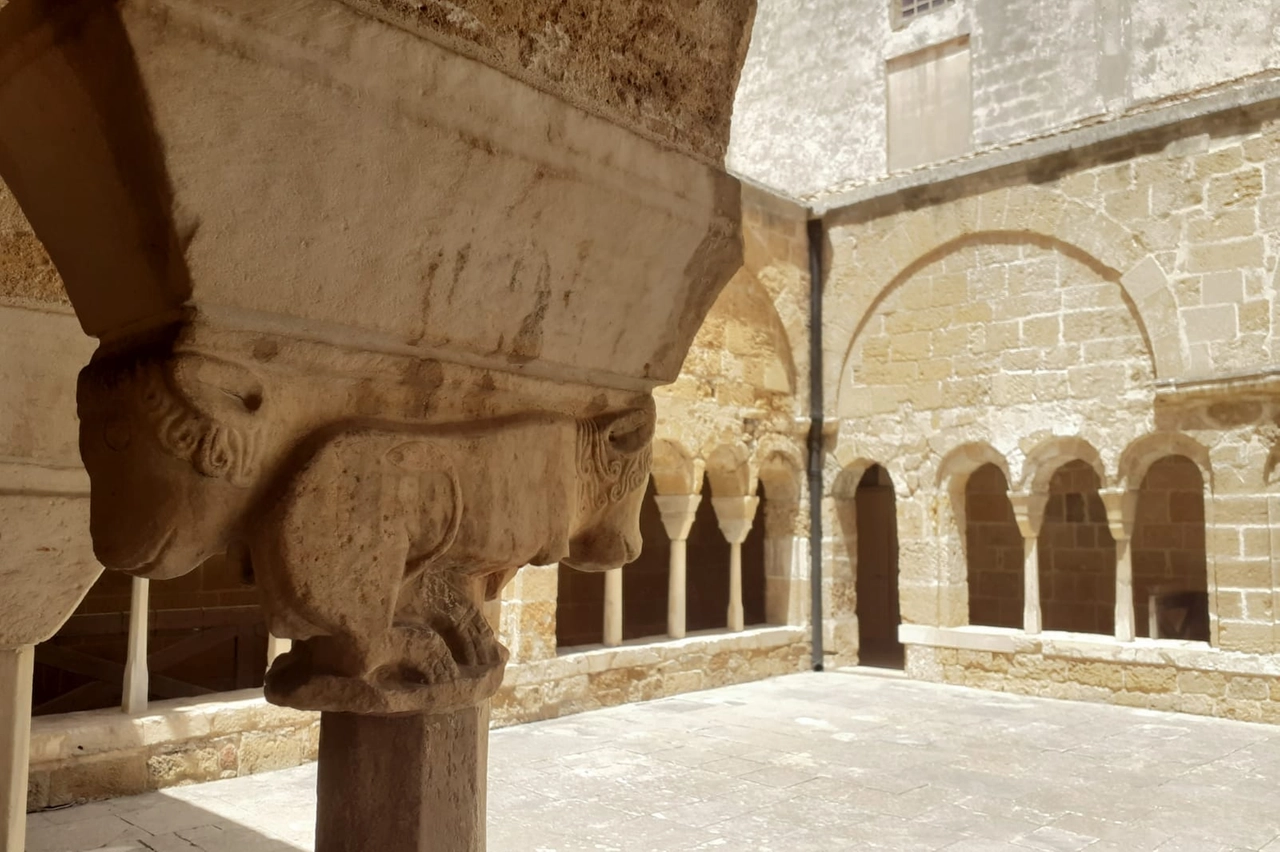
809	762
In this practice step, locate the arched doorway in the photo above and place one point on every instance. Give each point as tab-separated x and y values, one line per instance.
707	581
1077	555
993	550
645	581
877	571
1170	577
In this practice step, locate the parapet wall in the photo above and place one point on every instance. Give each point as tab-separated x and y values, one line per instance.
1184	677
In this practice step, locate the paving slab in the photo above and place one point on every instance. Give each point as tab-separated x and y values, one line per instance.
831	762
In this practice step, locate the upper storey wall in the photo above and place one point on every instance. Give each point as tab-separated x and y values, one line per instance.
813	110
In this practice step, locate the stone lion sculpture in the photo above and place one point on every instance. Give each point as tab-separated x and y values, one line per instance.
373	542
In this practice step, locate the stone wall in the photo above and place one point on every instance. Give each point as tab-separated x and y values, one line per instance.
1114	308
102	754
810	127
590	680
1154	675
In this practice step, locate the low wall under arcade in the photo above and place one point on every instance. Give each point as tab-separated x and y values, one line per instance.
1157	674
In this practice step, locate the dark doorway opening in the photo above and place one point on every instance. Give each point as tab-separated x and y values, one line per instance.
877	571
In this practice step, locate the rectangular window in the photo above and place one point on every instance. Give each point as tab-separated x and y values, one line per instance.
906	11
930	105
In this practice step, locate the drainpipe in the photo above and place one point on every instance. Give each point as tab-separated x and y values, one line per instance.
815	439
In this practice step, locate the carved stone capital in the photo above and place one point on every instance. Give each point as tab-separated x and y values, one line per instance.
735	516
1028	511
678	512
375	540
1122	511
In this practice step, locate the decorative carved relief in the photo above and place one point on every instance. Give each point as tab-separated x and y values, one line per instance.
374	542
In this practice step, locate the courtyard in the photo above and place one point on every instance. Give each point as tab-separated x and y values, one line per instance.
838	761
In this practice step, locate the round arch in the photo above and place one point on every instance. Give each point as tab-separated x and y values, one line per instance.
1059	223
1043	461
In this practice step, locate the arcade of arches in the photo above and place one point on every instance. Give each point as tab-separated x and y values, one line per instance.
1051	469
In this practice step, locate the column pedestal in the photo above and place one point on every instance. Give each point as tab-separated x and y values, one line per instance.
402	783
16	667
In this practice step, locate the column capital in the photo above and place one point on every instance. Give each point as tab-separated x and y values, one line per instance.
1122	509
1028	511
678	512
378	548
735	516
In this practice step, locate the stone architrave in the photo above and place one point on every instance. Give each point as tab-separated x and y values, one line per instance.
678	512
735	516
382	294
1028	511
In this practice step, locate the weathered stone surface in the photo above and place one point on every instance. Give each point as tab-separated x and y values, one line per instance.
91	755
667	70
359	300
444	234
46	559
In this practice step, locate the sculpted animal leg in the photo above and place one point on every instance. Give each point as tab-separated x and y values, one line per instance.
434	598
335	558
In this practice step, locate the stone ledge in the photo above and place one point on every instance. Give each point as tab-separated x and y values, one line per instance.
101	754
596	677
997	639
76	735
650	651
1194	656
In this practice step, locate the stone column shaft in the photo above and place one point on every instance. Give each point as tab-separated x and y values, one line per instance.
136	675
1121	505
1028	511
735	516
1125	630
678	512
677	589
16	668
736	618
1031	618
613	607
429	772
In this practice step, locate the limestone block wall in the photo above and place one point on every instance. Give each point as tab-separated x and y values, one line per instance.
1156	676
605	677
102	754
1115	309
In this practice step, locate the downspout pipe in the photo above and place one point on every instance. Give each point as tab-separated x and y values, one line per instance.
816	235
